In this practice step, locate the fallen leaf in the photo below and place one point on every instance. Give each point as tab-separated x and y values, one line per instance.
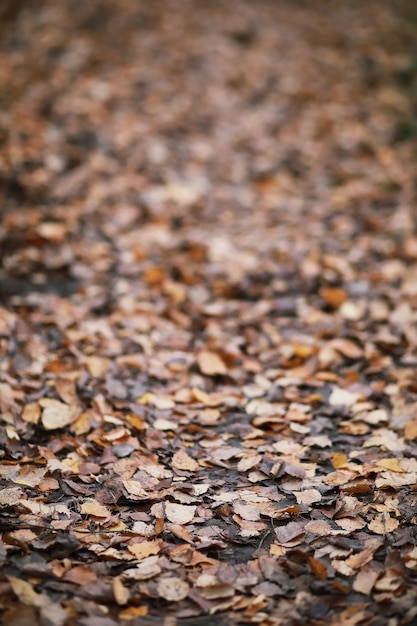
172	589
383	524
179	513
31	413
290	532
145	548
410	430
132	612
56	415
333	296
308	496
148	568
246	511
120	592
342	397
94	508
182	461
97	366
348	348
210	363
25	592
365	580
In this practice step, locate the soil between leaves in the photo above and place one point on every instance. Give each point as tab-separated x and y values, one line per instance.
208	313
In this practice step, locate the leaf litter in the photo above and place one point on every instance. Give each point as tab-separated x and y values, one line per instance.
207	313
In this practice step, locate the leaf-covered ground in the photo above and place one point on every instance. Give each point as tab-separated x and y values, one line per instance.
208	306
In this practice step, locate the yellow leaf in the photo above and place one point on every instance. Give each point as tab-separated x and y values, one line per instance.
276	550
25	592
339	460
390	464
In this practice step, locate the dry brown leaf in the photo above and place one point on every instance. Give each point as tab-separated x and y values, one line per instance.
145	548
339	460
25	592
410	430
365	580
358	560
308	496
181	532
249	528
342	397
391	464
31	413
56	414
247	511
179	513
172	589
94	508
383	524
10	496
134	488
80	575
182	461
333	296
387	440
290	532
30	476
132	612
318	568
148	568
320	527
348	348
67	391
210	363
97	366
249	462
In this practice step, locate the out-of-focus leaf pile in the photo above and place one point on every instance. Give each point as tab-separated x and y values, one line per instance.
208	305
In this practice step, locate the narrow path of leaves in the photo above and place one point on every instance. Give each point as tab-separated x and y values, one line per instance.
208	293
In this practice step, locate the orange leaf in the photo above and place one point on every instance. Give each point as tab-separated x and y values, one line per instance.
132	612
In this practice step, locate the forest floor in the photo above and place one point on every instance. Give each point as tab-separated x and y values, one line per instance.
208	306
